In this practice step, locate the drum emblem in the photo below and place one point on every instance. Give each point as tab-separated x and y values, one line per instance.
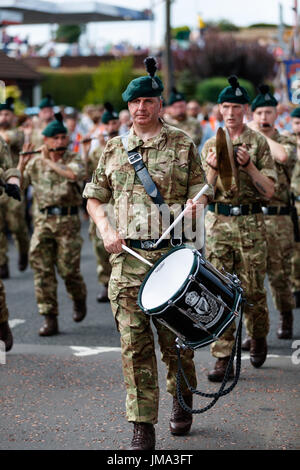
206	307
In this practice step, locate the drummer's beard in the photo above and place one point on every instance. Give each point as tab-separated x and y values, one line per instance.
113	134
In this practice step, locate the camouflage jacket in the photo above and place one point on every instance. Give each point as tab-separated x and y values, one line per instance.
173	163
16	141
92	161
6	166
284	171
51	189
260	155
189	125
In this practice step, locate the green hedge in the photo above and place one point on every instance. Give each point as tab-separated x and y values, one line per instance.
67	88
208	90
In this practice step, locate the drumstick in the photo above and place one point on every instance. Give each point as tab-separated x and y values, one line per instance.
134	253
180	216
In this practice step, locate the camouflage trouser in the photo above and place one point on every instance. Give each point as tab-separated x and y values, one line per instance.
102	257
238	244
56	241
12	217
296	259
3	307
137	342
280	244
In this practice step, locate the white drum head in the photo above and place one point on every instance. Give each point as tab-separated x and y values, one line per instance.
168	277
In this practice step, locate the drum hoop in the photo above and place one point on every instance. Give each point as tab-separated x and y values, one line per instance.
165	305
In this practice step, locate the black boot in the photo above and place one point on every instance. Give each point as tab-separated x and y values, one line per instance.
6	335
79	310
50	326
285	327
258	351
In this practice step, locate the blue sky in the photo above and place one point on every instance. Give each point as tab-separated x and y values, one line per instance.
184	12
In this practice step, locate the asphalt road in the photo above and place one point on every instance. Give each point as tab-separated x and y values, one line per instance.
66	392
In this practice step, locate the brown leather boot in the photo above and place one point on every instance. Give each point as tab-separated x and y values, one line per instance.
6	335
246	343
181	420
285	327
50	326
218	373
258	351
4	271
23	261
143	437
79	310
103	294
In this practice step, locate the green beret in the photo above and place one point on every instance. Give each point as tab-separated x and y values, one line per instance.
109	114
8	105
234	93
295	113
175	96
264	98
146	86
47	102
55	127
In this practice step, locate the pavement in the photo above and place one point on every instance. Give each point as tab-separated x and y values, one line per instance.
66	392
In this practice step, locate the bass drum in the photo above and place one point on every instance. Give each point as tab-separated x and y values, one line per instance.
190	297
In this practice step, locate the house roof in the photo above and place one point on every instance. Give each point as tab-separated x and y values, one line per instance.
14	69
39	12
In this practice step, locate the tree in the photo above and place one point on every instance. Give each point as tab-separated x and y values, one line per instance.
69	33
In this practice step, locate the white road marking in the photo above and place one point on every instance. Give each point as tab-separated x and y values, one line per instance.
15	322
90	351
269	356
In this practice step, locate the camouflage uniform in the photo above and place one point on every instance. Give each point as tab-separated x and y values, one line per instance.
280	232
12	211
102	256
174	165
238	243
56	239
295	185
189	125
6	171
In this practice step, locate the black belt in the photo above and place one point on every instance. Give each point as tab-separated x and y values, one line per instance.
276	210
56	210
231	210
148	244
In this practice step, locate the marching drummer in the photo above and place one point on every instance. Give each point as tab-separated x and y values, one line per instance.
235	229
170	158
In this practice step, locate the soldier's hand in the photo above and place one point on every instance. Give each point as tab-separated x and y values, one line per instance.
86	145
112	241
211	160
13	190
192	208
243	157
24	159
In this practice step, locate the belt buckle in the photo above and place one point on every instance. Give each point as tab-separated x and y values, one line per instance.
264	210
176	244
136	157
56	211
235	210
147	244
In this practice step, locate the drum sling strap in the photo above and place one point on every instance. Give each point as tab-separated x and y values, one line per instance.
236	350
136	160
